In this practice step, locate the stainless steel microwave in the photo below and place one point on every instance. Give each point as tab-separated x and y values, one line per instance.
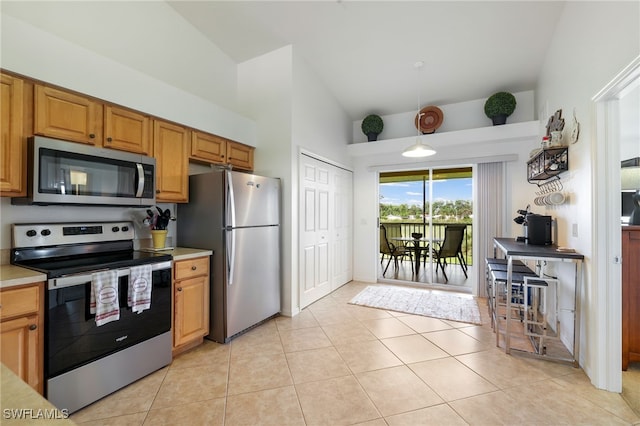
62	172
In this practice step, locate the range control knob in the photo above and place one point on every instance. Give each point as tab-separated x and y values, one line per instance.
31	233
45	232
115	229
125	228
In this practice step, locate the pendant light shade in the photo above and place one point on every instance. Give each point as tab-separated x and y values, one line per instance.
418	150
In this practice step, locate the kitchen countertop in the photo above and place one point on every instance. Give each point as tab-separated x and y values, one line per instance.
12	275
183	253
22	405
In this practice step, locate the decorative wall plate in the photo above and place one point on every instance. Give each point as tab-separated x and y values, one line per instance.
429	119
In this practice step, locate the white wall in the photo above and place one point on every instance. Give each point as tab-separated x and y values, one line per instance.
293	111
458	116
319	122
38	54
592	43
148	36
265	92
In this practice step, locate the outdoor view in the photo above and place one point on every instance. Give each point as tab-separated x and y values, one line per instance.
405	207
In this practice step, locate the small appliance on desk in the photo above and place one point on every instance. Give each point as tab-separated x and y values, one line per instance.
537	228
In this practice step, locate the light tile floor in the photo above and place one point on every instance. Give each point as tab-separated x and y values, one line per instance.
336	363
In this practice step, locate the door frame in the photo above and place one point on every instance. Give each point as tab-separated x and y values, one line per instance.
474	287
606	244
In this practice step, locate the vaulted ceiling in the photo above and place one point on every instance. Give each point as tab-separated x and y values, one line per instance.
365	51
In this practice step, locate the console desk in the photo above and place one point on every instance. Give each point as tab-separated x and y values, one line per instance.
518	250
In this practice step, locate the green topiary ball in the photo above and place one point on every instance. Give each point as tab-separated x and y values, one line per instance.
372	124
501	103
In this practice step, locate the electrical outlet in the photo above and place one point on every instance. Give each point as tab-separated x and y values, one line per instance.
574	230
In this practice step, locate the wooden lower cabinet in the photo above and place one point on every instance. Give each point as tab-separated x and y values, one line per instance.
21	332
191	303
630	295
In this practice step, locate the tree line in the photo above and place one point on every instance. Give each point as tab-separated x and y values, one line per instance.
458	209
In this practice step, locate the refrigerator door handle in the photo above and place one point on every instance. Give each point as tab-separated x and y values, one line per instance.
230	220
231	254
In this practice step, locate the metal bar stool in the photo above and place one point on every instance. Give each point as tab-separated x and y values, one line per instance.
536	314
493	264
500	294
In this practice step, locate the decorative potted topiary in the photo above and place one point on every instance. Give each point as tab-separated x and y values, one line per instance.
372	126
499	106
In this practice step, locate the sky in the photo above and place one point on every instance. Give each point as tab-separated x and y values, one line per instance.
410	193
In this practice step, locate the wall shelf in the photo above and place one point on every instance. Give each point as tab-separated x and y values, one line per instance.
547	163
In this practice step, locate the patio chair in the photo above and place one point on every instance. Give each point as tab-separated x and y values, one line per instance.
394	252
451	247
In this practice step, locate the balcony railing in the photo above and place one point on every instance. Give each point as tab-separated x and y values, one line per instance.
405	229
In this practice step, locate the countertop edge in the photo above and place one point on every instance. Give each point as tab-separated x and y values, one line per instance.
184	253
13	276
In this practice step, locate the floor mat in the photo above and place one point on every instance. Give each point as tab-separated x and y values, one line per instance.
429	303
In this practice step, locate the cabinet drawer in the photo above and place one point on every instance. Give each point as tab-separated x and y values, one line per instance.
19	301
191	268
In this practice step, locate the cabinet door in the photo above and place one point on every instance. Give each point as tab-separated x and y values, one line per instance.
13	154
67	116
207	147
170	143
191	314
19	348
126	130
240	156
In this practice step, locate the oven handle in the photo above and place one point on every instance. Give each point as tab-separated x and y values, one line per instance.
85	277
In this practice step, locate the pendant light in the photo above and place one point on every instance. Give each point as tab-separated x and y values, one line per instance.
418	149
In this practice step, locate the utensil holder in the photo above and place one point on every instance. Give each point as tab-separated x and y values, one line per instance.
159	237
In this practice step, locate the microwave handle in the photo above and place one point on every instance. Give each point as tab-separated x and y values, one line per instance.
140	187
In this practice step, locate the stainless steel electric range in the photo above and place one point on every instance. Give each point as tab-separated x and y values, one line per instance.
85	362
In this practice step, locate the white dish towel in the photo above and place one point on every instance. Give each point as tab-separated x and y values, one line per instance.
104	297
139	292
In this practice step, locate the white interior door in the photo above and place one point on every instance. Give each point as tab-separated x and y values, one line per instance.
342	268
315	215
326	228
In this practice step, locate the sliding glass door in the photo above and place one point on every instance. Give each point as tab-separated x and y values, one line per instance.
419	213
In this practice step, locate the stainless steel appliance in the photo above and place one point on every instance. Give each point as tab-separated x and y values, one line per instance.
236	215
84	362
62	172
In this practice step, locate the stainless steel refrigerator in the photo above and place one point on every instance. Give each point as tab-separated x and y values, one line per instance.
237	215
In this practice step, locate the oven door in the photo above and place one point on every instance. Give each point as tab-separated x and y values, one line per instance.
72	337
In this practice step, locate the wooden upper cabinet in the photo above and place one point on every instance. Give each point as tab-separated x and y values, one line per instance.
240	156
13	148
64	115
170	149
127	130
208	147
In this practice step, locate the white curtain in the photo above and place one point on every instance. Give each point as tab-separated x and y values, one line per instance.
491	205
